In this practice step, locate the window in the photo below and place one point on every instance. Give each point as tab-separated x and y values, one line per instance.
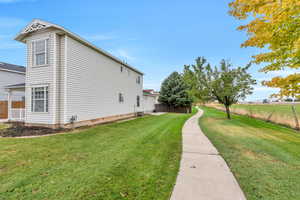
138	101
40	51
121	98
39	99
128	71
121	68
138	80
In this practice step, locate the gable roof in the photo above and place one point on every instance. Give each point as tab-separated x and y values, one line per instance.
13	68
38	24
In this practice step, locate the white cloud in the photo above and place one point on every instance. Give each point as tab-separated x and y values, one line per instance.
8	1
99	37
10	45
264	89
155	86
7	22
285	72
123	55
15	1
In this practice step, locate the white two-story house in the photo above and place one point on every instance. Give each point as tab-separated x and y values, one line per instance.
69	80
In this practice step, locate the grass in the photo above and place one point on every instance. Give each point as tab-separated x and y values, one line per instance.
137	159
280	109
264	157
281	113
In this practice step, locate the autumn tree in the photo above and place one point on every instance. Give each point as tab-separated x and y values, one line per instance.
274	26
225	84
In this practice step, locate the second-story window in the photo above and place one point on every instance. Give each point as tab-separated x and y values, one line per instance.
138	80
40	52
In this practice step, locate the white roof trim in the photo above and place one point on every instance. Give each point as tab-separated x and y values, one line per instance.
13	71
38	24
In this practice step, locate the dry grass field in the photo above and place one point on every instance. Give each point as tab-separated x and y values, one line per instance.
277	113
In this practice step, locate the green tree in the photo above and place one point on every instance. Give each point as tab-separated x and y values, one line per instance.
196	90
173	91
225	84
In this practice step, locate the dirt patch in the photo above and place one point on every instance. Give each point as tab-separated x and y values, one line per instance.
20	130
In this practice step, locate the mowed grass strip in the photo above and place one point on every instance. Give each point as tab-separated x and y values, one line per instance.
137	159
264	157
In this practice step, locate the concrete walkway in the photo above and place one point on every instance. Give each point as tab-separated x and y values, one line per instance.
203	175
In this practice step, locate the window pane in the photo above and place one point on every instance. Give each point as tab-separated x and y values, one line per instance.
46	95
138	101
40	46
32	97
39	99
39	93
40	59
39	106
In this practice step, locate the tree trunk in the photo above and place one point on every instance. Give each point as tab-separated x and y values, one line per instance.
228	112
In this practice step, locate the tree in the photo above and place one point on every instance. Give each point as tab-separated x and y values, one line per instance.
173	91
223	84
274	26
196	91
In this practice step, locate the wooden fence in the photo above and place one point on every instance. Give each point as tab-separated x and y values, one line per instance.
4	107
166	108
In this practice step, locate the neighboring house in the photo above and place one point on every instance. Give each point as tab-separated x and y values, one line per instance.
150	98
9	75
70	80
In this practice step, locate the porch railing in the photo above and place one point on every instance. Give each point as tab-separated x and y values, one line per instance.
17	114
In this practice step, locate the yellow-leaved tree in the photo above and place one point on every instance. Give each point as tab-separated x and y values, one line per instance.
274	25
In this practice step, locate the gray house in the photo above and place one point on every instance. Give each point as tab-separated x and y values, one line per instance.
11	76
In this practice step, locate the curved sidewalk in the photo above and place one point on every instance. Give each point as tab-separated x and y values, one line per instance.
203	174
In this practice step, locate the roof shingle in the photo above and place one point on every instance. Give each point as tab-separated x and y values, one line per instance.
11	67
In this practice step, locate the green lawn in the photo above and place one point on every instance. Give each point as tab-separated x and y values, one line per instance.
264	157
137	159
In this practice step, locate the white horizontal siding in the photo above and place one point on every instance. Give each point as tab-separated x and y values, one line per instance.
36	76
10	78
148	103
94	82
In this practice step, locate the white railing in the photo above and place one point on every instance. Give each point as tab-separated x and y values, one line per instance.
17	114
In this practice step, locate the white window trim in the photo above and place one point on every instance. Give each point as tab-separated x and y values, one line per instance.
32	102
46	52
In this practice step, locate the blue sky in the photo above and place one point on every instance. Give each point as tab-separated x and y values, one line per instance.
157	37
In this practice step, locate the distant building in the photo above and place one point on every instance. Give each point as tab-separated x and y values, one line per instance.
150	98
